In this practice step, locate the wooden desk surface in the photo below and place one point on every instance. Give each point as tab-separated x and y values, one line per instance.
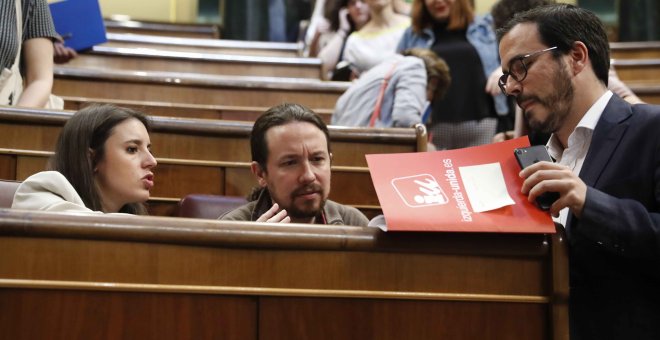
638	70
223	46
189	30
151	59
181	110
196	88
274	281
635	49
649	93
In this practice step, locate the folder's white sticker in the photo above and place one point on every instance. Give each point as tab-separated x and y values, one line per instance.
485	186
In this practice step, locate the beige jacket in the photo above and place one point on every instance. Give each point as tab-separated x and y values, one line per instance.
48	191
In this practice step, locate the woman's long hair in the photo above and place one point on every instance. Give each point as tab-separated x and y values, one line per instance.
81	146
331	13
460	16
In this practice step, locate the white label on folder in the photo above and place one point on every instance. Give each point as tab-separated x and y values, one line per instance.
485	186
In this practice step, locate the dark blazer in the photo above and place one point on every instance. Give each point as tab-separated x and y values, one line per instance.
615	246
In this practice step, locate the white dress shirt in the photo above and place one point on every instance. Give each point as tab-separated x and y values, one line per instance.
578	143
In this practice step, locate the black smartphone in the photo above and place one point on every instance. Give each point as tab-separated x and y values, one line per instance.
530	155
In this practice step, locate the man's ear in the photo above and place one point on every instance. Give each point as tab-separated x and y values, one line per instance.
259	172
579	57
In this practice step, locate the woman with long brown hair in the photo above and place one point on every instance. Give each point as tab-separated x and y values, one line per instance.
102	163
467	115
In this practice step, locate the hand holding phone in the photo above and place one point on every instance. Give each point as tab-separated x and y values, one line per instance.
530	155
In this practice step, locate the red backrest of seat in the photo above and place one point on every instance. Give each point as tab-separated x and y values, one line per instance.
7	190
208	206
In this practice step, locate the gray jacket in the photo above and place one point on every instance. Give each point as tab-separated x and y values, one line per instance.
403	101
335	213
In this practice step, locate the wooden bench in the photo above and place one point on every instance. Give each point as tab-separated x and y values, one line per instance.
208	140
638	70
196	88
218	46
163	28
635	50
148	59
225	112
649	93
174	278
205	156
177	178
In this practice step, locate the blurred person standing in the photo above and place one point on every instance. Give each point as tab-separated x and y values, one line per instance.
377	40
26	52
342	17
467	115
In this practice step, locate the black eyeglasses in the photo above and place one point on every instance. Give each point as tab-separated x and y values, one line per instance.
518	68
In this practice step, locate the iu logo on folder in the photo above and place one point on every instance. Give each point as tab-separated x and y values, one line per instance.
419	191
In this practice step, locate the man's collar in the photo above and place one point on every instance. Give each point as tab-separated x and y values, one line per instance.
588	121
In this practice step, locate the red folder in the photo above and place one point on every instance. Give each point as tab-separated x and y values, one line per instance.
424	191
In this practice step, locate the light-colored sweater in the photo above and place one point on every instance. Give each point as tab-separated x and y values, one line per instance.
403	101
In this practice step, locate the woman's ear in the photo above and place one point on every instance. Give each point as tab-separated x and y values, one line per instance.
90	155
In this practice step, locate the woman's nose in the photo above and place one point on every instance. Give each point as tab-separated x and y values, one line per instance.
150	161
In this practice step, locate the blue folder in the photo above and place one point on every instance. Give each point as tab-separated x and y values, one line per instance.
79	22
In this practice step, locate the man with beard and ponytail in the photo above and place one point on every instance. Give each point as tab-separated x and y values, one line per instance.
291	159
555	61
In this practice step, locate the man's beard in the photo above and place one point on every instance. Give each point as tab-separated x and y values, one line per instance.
558	104
307	211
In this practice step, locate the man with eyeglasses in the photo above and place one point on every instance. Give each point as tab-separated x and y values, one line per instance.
555	62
